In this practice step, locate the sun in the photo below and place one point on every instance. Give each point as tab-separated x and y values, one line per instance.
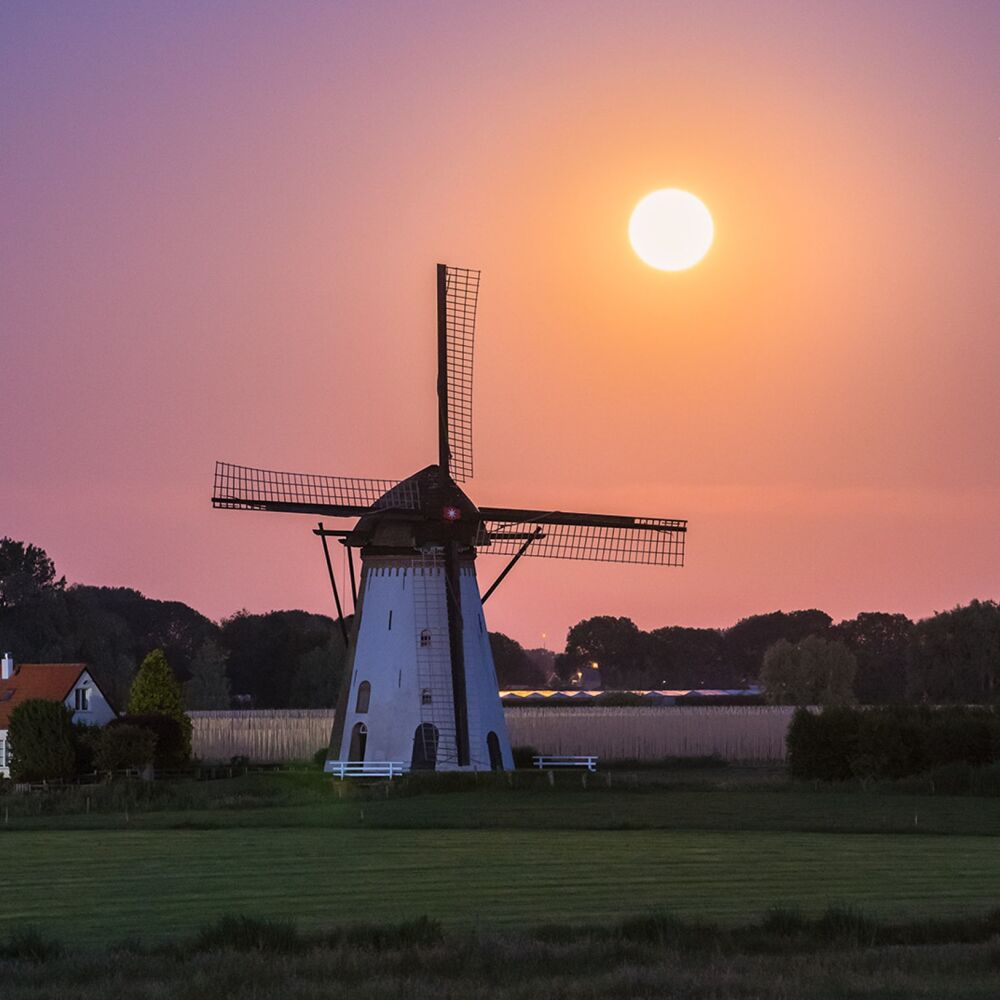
671	229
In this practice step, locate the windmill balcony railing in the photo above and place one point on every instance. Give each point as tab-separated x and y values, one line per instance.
366	768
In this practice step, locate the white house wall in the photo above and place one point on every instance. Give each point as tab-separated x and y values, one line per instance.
99	712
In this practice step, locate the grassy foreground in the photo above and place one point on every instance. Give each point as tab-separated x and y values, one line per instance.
160	861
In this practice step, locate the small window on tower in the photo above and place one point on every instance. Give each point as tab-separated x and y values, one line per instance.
364	697
82	699
425	696
425	638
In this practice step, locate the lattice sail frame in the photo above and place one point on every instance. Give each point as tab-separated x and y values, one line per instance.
240	487
649	541
461	297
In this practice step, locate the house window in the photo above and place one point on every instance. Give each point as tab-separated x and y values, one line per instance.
364	697
82	699
425	696
3	751
425	638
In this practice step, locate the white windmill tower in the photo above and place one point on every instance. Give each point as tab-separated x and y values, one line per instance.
419	685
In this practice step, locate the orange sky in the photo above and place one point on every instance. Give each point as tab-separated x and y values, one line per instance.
220	225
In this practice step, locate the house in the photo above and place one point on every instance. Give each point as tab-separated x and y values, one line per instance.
70	683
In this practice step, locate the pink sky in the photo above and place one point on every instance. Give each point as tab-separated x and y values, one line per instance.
219	227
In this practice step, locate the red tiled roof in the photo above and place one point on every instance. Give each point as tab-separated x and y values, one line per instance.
52	681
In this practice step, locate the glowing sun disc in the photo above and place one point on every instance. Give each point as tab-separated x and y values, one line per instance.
671	229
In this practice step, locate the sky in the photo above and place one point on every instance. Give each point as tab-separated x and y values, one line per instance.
218	230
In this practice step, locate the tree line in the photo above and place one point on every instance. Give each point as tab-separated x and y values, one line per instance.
295	659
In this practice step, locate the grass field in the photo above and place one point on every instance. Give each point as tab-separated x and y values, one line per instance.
284	846
100	885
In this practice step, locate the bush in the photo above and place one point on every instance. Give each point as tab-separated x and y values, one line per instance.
319	757
42	741
125	746
156	692
29	945
523	756
250	934
173	743
950	746
890	744
824	745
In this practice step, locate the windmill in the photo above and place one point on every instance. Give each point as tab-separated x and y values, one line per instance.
420	686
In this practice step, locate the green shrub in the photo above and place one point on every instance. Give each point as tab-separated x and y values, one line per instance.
125	746
250	934
319	757
173	744
42	741
823	745
950	745
890	744
156	691
29	945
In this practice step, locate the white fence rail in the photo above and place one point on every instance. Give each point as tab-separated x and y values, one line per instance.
366	768
543	763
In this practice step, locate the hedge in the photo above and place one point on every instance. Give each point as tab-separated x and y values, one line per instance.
837	744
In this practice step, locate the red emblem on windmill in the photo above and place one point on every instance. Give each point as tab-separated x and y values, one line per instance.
452	514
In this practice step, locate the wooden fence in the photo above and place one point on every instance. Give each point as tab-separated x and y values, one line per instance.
744	733
263	736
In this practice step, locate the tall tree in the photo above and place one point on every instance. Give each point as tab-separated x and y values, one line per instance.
814	671
155	690
317	676
208	686
956	655
26	573
514	667
883	646
615	644
688	658
746	642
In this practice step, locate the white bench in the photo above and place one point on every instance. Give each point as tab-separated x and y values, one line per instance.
365	768
557	760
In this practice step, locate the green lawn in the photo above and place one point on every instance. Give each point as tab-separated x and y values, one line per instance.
285	846
104	884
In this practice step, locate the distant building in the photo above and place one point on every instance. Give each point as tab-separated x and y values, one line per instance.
587	678
70	683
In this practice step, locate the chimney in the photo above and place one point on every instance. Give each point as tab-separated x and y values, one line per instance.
7	667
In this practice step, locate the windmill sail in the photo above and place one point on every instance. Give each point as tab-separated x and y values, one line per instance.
239	487
653	541
458	294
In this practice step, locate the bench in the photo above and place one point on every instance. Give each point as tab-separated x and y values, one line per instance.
365	768
558	760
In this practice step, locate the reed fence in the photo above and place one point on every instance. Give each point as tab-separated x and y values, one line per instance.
749	733
262	736
737	733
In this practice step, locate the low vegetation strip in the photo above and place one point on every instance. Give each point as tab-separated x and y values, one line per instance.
167	884
841	953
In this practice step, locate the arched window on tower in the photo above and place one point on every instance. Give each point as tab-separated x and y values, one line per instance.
425	696
425	638
364	697
493	747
